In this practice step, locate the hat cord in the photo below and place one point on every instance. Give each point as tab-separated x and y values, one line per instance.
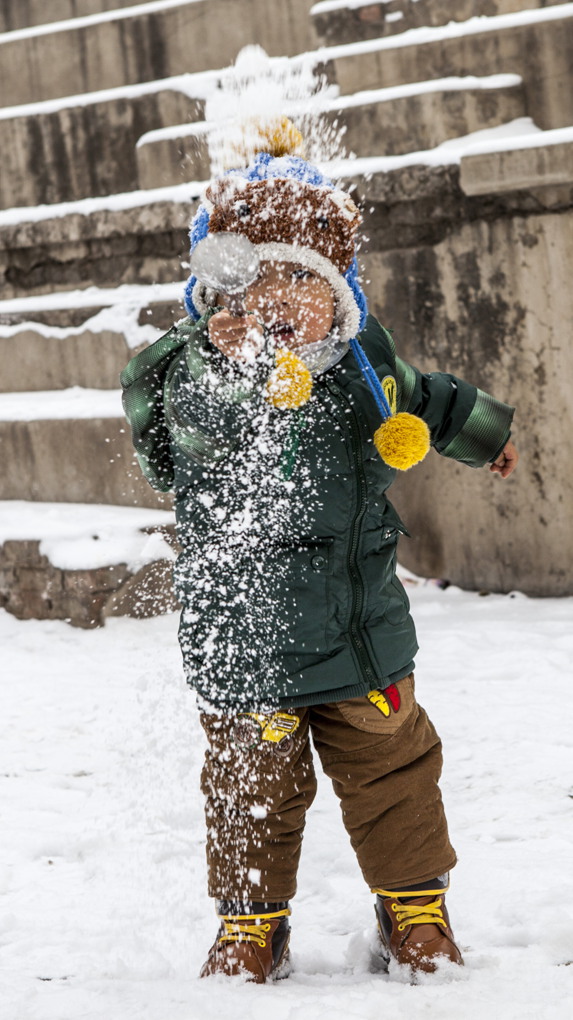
371	378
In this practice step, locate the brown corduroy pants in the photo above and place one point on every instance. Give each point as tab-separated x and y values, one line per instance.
384	764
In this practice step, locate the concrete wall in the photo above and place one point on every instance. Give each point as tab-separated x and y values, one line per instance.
196	36
491	302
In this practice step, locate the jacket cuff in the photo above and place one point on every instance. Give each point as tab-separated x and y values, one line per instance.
485	432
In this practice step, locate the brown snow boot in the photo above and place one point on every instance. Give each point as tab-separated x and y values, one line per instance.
252	940
414	926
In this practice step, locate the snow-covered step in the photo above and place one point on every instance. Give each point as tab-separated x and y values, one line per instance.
388	121
71	446
343	21
144	42
87	146
541	161
136	238
525	43
83	562
37	12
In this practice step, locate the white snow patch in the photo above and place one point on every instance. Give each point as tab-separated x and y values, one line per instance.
452	151
46	405
121	319
102	864
123	303
179	193
196	85
85	536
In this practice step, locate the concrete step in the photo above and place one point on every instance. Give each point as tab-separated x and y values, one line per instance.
138	238
544	162
70	446
152	41
14	14
384	121
82	562
59	342
526	43
86	146
344	21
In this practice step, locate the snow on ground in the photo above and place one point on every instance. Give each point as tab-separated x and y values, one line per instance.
102	873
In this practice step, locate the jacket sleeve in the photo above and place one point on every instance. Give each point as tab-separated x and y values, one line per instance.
209	401
465	423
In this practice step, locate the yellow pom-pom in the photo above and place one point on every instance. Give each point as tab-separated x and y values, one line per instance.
402	441
277	135
290	383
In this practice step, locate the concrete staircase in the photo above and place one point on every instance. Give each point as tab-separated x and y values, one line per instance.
466	254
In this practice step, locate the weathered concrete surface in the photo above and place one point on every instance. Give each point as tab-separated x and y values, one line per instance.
33	588
84	150
492	303
31	361
490	173
73	461
145	244
529	50
194	36
409	124
376	20
15	14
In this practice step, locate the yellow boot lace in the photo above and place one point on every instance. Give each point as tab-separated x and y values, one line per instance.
415	913
236	930
412	913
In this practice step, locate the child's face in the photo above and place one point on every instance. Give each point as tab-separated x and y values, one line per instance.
293	302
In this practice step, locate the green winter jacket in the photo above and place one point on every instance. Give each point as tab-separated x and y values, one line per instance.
301	604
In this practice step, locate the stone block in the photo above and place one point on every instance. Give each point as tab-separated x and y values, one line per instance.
171	160
149	592
74	461
526	49
140	245
32	361
147	45
85	150
539	166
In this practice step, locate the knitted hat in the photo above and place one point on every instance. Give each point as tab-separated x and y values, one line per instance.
292	212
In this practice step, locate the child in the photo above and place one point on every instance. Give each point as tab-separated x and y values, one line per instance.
293	620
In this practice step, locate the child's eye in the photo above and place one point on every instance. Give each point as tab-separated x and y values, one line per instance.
302	274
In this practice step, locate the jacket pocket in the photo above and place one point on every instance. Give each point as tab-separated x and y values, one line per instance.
304	573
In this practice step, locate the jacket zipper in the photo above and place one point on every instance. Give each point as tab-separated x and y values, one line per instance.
357	585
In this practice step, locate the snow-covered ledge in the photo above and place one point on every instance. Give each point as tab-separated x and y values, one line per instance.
84	562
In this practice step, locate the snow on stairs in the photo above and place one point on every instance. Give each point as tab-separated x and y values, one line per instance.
383	121
525	42
344	21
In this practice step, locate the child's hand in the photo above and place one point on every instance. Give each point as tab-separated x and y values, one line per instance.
507	460
239	339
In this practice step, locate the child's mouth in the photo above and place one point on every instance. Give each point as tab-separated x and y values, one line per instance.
281	329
